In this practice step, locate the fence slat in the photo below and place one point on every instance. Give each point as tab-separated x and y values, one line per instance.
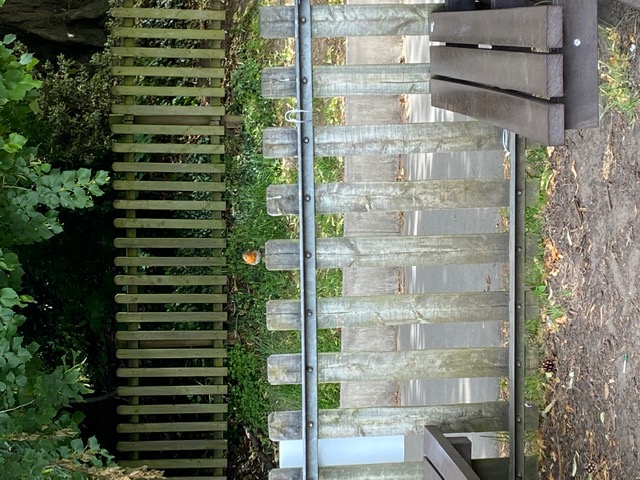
170	242
169	205
166	427
387	139
393	366
393	196
169	223
173	409
167	148
136	335
124	128
176	110
349	20
170	463
175	13
170	262
172	390
163	317
380	421
347	80
190	72
171	298
165	372
169	186
533	118
140	167
152	52
167	33
158	353
348	252
170	280
535	27
387	310
171	445
501	69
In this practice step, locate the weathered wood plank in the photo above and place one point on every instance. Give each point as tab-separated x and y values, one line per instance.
387	139
171	427
173	317
120	147
387	310
393	196
380	471
175	110
125	128
189	72
135	335
175	13
169	186
170	298
392	251
170	223
170	92
580	63
172	372
379	421
170	243
139	167
444	457
168	33
533	73
170	262
148	52
349	20
536	27
162	353
393	366
170	463
169	205
171	280
171	445
533	118
349	80
172	390
173	409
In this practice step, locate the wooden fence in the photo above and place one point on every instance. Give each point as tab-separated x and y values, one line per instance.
172	328
381	251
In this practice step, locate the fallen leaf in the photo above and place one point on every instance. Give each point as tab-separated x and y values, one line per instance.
606	391
602	417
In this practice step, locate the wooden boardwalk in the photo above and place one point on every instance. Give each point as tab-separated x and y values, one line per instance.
172	329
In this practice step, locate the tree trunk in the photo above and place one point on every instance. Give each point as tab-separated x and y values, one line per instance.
68	22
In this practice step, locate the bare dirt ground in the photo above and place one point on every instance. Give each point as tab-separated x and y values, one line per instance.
593	429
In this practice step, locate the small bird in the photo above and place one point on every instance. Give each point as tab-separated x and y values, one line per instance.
251	257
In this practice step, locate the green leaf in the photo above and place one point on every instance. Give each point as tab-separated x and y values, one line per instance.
34	106
9	38
77	445
26	58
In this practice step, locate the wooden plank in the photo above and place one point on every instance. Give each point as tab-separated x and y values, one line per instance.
170	262
169	205
502	69
171	280
201	148
172	409
387	310
171	463
168	33
172	372
393	196
171	317
533	118
188	72
349	20
171	298
171	445
532	27
157	353
170	223
171	427
380	421
166	129
139	167
172	390
393	366
170	243
148	52
135	335
169	186
349	80
580	63
175	13
347	252
444	457
387	139
175	110
171	92
380	471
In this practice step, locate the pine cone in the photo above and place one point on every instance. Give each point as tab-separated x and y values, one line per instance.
549	365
